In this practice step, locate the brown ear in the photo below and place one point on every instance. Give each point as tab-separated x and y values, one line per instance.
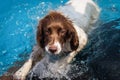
72	35
74	42
40	34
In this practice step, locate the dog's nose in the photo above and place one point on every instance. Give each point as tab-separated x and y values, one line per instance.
52	49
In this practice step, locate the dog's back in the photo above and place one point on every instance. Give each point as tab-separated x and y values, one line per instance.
83	13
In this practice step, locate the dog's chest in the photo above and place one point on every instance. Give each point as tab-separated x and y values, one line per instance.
48	67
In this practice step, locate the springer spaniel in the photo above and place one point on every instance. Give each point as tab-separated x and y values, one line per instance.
62	31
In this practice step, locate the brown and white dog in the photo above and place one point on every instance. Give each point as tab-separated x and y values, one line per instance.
62	31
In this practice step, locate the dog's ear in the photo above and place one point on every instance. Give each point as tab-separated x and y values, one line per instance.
72	35
40	34
74	42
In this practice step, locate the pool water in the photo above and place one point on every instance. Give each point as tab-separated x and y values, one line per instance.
18	21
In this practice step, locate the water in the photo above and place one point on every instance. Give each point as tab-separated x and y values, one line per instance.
110	9
18	21
49	67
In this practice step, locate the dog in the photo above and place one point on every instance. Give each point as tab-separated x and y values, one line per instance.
63	31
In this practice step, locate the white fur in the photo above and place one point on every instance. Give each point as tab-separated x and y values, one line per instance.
83	13
23	71
57	44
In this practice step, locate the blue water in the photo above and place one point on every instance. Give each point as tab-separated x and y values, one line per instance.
18	21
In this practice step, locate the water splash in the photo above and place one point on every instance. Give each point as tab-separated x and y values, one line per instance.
18	29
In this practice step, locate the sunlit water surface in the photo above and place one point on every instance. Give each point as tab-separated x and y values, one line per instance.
18	22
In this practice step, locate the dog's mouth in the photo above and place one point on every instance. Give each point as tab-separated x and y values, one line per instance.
54	48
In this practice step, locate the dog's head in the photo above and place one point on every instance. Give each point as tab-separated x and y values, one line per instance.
54	30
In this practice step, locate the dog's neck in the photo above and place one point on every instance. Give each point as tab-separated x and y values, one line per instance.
56	57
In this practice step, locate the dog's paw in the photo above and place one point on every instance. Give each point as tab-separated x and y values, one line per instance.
64	62
23	71
20	74
62	66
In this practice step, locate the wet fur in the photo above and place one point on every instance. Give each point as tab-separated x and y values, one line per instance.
84	14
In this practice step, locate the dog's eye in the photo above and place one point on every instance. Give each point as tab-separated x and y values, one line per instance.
63	31
47	32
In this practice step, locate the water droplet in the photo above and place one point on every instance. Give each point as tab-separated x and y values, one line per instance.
118	27
4	51
38	17
20	11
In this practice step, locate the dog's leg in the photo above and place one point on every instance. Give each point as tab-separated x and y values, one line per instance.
71	56
23	71
68	59
35	56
